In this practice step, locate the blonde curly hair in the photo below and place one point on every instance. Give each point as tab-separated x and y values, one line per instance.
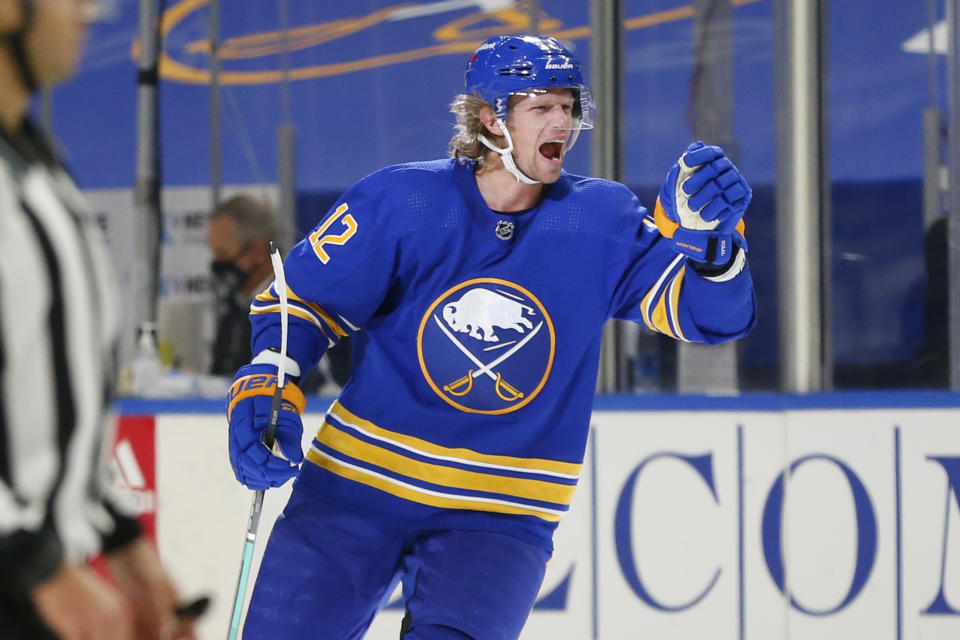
464	143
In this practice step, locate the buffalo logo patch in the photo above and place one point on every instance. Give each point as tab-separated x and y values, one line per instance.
486	346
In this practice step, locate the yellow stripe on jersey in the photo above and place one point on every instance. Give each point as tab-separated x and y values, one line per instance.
294	311
653	306
426	496
675	285
337	329
463	456
267	296
659	317
454	478
644	305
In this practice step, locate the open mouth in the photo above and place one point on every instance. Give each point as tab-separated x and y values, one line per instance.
552	150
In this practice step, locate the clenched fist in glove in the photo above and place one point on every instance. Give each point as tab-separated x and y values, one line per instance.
701	205
248	411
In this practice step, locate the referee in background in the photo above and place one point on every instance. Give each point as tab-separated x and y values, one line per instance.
58	331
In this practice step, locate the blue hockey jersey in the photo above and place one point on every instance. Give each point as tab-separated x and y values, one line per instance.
470	399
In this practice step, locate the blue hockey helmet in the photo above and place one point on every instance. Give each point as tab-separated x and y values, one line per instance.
520	65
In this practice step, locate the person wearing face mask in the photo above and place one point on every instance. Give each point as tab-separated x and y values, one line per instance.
239	237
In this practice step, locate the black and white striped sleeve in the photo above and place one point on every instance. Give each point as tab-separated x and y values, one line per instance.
56	334
31	430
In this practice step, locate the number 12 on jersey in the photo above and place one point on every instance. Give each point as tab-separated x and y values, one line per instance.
320	237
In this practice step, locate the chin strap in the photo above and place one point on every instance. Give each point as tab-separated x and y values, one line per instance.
506	155
17	42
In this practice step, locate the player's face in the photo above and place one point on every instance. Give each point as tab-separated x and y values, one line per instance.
540	127
55	38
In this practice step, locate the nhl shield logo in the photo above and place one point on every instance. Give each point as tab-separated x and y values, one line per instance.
486	346
504	229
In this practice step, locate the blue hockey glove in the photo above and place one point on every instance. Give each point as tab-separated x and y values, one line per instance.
701	205
248	411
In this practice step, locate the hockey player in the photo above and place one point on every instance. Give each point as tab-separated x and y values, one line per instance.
58	336
478	287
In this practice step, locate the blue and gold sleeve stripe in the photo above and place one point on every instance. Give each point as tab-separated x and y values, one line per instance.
423	472
268	302
660	307
673	306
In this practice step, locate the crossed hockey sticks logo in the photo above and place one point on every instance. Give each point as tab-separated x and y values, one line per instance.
464	385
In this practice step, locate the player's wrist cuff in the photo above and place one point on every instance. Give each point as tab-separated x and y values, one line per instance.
725	272
269	356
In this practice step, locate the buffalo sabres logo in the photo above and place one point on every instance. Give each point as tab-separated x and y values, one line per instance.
504	229
486	346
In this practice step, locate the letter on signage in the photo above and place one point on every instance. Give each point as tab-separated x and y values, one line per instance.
703	465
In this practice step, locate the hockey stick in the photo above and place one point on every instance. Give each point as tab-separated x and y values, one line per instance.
269	436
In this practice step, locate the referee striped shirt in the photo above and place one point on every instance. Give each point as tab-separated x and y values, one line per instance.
58	333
